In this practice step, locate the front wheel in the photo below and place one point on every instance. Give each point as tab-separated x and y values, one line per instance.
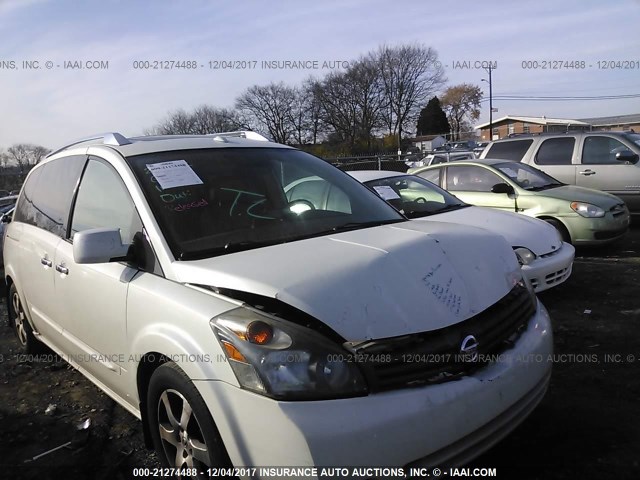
29	343
560	227
183	431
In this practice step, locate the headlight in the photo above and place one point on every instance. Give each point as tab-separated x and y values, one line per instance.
525	256
283	360
587	210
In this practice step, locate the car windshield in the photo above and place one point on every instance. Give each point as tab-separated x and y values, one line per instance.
217	201
634	137
527	177
414	196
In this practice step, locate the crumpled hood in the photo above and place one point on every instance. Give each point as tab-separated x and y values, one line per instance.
573	193
376	282
519	230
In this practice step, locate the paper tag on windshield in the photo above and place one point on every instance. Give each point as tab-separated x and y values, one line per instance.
386	192
176	173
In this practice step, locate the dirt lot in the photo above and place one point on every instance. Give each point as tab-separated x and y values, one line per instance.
588	425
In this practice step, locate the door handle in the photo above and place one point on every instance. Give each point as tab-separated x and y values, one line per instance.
587	172
46	262
62	269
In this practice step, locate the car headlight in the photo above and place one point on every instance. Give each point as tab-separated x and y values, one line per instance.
587	210
525	256
283	360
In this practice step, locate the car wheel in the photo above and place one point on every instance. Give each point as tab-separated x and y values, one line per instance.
183	431
21	326
560	227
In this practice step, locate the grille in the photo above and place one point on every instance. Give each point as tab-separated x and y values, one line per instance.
609	234
557	277
435	356
617	210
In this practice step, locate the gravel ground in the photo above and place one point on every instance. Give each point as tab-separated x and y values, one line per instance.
587	426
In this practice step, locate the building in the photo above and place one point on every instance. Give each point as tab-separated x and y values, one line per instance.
510	124
427	143
616	123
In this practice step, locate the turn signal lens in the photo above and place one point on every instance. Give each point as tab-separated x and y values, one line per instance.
233	353
259	333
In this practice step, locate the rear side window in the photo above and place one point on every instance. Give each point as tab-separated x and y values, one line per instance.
432	175
47	199
556	151
513	150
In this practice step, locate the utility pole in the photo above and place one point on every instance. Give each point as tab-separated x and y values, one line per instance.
489	69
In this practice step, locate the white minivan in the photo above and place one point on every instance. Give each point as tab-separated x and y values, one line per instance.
251	326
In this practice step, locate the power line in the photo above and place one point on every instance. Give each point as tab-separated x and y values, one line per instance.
561	98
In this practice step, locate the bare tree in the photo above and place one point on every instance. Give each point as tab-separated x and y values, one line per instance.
271	108
462	105
352	101
410	75
25	155
203	120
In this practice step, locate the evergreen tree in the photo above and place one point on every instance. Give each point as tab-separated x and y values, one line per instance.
433	120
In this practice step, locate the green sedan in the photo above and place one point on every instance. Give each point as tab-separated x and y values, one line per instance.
582	215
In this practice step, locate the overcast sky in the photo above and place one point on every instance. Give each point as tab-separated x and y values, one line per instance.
53	104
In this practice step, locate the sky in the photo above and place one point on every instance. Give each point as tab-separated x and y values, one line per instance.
52	103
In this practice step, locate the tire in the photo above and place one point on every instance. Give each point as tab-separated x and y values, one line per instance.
189	436
21	326
560	227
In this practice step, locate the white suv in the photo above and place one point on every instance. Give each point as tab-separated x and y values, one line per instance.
245	325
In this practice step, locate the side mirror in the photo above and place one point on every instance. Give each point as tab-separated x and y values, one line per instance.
627	156
98	245
503	188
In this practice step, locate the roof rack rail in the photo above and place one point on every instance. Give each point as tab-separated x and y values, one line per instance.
248	134
109	138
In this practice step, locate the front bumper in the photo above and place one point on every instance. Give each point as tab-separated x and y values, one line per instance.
448	422
597	231
550	270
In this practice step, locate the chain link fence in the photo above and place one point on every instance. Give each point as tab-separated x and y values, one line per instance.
395	163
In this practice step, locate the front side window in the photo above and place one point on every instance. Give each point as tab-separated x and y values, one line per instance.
104	202
556	151
527	177
216	201
602	150
470	178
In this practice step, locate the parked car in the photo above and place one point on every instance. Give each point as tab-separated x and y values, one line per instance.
7	202
479	148
246	325
605	161
583	216
545	259
436	158
6	213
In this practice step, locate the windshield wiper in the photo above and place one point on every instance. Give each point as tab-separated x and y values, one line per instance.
544	187
358	225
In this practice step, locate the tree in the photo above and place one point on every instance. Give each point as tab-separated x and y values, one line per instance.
270	107
462	104
203	120
410	74
352	102
25	155
432	119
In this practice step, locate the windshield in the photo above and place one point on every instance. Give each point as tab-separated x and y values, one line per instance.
414	196
634	137
217	201
527	177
